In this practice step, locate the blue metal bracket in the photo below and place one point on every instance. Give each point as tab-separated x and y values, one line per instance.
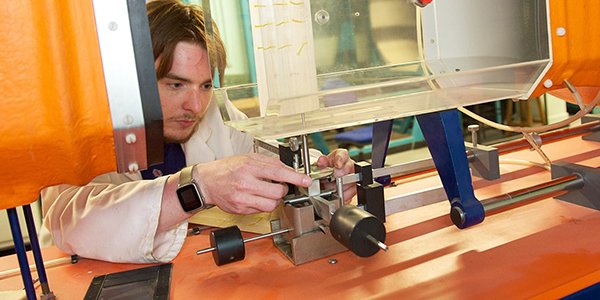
443	135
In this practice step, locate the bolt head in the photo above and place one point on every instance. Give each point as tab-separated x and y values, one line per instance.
130	138
473	127
133	167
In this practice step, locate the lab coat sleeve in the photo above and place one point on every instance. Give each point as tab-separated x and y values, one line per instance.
242	143
112	222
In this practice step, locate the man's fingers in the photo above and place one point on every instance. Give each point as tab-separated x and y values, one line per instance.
349	193
262	204
282	173
323	161
265	189
339	158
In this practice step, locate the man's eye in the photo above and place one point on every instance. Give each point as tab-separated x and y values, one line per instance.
207	86
175	85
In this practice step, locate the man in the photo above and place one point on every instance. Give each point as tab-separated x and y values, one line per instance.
123	218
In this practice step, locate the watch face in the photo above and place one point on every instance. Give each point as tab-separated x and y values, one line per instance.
189	197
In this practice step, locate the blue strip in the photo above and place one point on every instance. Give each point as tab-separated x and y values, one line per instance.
590	292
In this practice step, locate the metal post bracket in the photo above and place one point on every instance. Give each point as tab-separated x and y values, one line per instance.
588	194
484	161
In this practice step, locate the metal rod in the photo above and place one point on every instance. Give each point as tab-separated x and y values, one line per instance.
395	170
205	250
254	238
35	248
548	137
306	198
377	243
543	190
339	184
47	264
305	155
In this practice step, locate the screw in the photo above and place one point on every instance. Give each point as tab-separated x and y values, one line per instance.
133	167
332	261
130	138
294	144
128	119
473	129
113	26
322	17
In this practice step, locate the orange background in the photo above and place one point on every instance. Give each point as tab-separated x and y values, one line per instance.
56	125
576	55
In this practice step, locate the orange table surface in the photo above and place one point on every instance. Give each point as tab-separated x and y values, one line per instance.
545	249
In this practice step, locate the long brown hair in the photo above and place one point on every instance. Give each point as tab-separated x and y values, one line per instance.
171	22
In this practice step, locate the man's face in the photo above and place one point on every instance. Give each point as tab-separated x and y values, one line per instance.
185	91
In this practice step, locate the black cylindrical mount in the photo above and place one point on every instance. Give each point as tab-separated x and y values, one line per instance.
229	245
356	229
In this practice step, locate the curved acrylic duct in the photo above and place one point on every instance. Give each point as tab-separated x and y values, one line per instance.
333	64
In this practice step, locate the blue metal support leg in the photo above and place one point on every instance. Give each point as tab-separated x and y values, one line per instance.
13	218
37	253
443	135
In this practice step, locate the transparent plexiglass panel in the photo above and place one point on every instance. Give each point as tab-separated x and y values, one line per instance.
326	64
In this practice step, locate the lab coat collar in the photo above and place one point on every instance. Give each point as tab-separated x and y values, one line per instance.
198	149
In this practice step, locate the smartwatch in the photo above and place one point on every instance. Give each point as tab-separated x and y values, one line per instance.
188	192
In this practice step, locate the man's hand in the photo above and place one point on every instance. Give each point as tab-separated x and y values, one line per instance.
248	183
342	164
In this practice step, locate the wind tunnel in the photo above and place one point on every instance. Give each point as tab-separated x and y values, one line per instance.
321	65
392	63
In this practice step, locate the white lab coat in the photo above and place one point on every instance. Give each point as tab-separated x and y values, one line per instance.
115	216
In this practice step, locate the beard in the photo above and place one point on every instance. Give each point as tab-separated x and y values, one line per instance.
181	140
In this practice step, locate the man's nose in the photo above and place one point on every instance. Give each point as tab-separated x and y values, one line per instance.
193	101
